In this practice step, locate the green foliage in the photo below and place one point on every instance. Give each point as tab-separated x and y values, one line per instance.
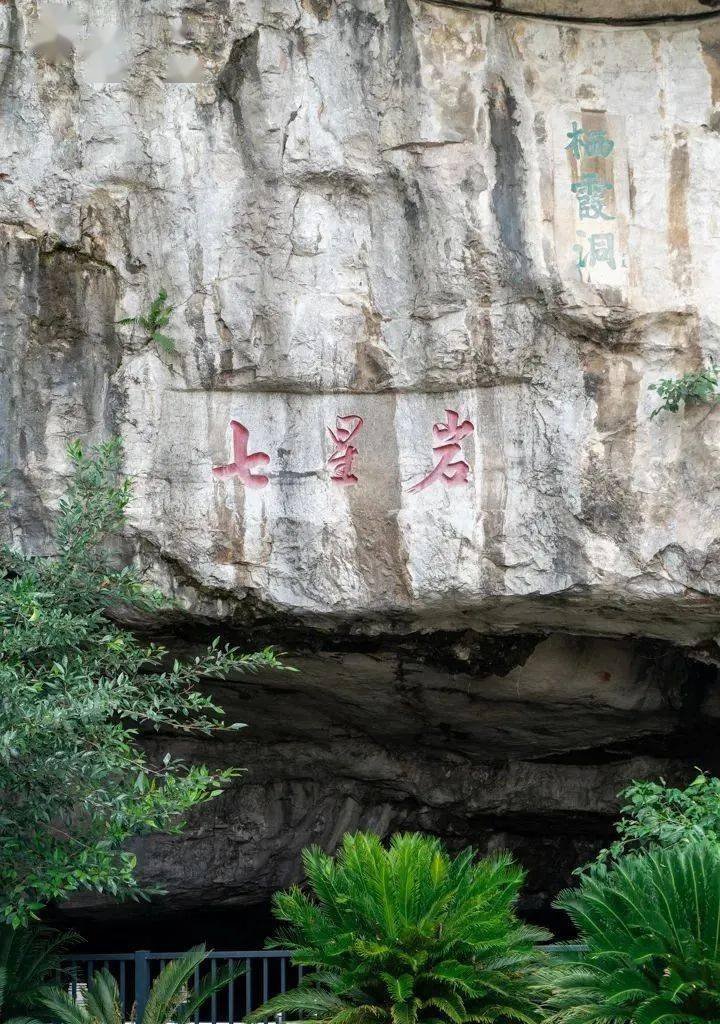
652	928
171	998
406	934
158	317
699	388
75	785
29	958
658	815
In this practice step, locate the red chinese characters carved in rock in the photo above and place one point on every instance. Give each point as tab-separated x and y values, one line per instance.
344	454
449	435
243	463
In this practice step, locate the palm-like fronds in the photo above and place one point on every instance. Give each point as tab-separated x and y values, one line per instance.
652	929
407	935
29	959
171	998
65	1010
158	317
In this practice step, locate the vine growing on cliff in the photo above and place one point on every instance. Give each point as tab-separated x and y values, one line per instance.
697	388
76	690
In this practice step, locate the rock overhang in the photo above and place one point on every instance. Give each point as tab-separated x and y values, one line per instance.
597	11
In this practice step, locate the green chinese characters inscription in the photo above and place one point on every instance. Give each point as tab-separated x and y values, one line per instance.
600	249
589	142
592	193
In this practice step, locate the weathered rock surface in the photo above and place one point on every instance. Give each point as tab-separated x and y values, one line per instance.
367	210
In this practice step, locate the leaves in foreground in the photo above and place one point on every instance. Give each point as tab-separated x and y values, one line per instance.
173	996
658	815
651	924
77	689
29	959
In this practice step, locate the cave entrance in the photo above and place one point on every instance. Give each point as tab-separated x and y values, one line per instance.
517	742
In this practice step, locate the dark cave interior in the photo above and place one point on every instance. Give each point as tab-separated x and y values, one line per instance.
518	741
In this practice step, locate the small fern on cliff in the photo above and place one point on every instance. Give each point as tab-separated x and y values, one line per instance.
158	317
407	934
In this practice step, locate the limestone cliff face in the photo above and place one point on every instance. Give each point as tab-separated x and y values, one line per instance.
465	242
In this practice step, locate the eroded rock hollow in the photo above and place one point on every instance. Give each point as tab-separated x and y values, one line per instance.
428	260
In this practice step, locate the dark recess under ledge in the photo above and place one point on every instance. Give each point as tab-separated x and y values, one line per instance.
517	740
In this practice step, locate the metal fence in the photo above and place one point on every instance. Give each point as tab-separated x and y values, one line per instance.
267	972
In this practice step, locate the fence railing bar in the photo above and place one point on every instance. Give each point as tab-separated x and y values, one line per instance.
123	989
248	985
212	954
142	982
83	958
213	997
231	997
243	954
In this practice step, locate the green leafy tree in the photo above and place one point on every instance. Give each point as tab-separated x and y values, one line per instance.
172	996
651	925
406	934
658	815
158	316
75	689
699	387
29	959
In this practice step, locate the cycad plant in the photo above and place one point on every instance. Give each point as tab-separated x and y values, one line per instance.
651	925
407	934
171	997
29	961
